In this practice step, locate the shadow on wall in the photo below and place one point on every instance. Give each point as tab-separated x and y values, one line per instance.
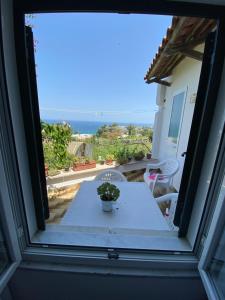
45	285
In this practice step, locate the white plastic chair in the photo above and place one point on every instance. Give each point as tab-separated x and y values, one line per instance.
111	175
170	213
168	169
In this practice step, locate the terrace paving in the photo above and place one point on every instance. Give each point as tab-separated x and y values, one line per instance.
76	175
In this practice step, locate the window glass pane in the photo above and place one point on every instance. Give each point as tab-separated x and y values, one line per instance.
4	258
217	266
100	127
176	116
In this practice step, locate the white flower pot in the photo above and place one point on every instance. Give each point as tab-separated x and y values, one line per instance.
107	206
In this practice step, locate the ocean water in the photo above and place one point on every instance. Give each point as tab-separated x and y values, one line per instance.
89	127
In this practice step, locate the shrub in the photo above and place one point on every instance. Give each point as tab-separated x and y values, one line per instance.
110	157
122	156
139	155
56	138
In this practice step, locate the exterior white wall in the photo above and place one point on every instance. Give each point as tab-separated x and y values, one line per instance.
161	90
185	77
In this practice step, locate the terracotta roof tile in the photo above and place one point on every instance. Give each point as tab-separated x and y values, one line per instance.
184	32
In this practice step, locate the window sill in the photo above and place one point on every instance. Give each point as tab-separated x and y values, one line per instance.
118	238
53	252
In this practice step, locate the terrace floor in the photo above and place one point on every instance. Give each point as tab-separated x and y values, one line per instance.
69	177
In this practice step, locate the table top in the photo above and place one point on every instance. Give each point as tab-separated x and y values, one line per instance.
135	209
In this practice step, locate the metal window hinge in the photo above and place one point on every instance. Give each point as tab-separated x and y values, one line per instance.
113	254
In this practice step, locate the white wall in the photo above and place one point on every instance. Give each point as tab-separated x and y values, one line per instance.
185	77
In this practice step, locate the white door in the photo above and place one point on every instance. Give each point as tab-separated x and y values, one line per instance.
175	122
212	262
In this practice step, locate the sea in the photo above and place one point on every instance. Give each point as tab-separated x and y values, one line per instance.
91	127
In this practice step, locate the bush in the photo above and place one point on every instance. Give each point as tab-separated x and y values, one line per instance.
122	156
139	155
56	138
102	147
109	131
110	157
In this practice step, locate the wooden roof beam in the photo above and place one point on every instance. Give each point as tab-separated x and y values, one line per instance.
186	51
192	54
159	81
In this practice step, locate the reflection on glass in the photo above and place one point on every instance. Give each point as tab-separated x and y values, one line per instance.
176	117
4	258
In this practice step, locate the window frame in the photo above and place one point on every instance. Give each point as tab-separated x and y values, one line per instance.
176	93
202	119
162	7
215	227
10	225
209	250
9	231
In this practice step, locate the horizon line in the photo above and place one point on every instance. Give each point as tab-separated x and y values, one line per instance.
117	122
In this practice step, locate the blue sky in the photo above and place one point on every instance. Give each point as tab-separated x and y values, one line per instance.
92	66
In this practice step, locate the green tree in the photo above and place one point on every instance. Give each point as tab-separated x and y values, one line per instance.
148	132
109	131
131	130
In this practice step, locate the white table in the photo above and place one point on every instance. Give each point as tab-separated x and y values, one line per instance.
135	209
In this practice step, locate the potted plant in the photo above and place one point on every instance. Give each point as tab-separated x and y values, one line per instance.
67	166
101	160
109	159
108	193
129	155
148	155
139	155
83	163
68	162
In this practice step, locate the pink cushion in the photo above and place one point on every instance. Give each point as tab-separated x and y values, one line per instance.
153	176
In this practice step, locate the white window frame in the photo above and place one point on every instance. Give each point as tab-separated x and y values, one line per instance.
9	228
210	244
142	263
